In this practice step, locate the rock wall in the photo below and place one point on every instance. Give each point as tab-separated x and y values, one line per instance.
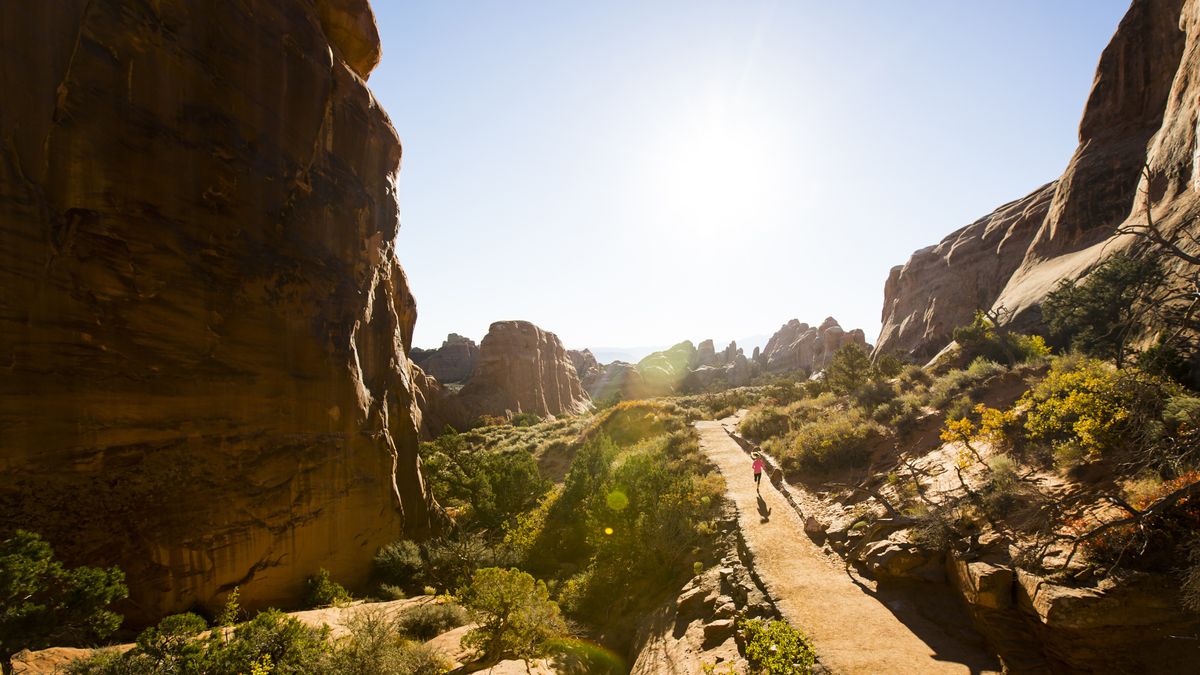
202	316
522	369
454	361
799	347
1142	110
940	287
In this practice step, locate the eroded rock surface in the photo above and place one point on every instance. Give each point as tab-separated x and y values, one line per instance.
1142	111
800	347
203	320
523	369
454	361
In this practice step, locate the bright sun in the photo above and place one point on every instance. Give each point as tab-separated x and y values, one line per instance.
716	175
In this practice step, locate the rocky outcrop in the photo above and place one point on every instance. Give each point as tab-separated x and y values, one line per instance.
202	315
799	347
1142	111
585	364
941	287
454	361
617	379
522	369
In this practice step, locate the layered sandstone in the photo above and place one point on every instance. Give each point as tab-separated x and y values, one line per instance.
799	347
1142	111
454	361
522	369
203	320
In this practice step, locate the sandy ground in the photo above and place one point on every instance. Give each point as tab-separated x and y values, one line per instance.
852	630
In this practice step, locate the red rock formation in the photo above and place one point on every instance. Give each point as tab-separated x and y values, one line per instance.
1142	110
799	347
454	361
584	362
203	320
940	287
522	369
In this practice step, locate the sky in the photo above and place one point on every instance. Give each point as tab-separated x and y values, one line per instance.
640	173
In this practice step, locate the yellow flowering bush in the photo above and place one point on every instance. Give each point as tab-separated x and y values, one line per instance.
1091	406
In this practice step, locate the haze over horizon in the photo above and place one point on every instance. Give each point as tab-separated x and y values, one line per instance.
709	170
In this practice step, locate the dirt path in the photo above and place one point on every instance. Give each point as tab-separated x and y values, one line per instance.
852	631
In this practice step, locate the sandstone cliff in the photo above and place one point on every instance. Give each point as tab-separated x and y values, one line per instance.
522	369
454	361
202	317
799	347
1142	111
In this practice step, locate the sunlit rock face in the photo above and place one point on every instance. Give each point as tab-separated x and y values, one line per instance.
202	317
942	286
522	369
800	347
1142	111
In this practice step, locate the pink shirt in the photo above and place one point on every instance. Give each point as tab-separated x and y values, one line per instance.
758	465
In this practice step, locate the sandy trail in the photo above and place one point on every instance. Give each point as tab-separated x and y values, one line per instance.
852	631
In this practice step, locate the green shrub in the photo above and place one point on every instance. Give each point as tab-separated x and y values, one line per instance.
516	617
980	339
388	592
399	564
453	559
525	420
899	413
763	422
44	604
1087	408
776	648
1102	315
888	366
960	408
835	442
323	591
175	647
914	377
486	486
955	383
289	644
427	621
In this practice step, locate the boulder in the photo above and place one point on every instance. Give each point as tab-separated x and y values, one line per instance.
718	631
983	583
522	369
891	559
203	315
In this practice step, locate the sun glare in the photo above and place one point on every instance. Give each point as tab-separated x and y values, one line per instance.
716	174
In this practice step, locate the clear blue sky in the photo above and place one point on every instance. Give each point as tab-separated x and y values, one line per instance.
634	173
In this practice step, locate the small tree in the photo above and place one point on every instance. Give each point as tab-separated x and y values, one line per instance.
849	369
515	613
1101	315
43	603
